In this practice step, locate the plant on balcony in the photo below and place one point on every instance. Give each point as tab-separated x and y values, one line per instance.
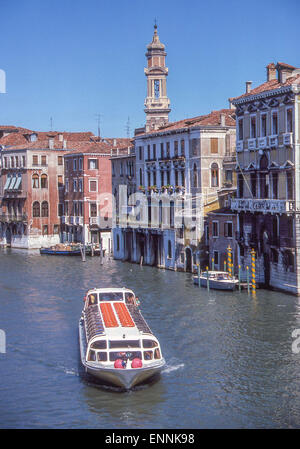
142	188
179	188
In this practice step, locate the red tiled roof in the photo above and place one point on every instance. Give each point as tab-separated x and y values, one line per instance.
212	119
271	85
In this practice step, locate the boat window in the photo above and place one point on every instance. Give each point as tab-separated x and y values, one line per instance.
149	344
92	298
92	356
102	356
148	355
125	355
99	344
124	344
111	296
157	354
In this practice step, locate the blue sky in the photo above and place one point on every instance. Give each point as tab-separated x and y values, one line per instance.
71	59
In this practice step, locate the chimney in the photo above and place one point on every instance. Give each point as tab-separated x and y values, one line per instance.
231	106
64	144
115	142
248	86
60	137
128	150
271	71
51	143
222	119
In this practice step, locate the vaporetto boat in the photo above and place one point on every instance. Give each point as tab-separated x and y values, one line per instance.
116	344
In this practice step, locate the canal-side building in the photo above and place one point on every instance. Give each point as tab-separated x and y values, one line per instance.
87	212
32	194
175	162
221	234
268	190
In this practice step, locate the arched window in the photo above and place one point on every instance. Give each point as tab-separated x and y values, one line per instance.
195	176
45	209
35	181
36	209
214	170
44	182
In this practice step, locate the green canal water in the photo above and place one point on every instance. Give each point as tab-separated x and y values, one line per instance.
229	356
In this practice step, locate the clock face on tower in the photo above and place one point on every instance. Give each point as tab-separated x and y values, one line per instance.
156	88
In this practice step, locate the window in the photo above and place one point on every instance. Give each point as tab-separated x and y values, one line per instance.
214	175
35	181
156	88
45	209
240	186
12	162
93	186
214	145
67	185
74	185
118	243
93	164
240	129
36	209
216	257
140	153
66	207
55	229
289	185
43	160
162	150
253	127
154	151
253	184
176	148
80	185
215	229
6	163
228	176
194	147
60	182
60	209
289	121
275	185
44	183
263	121
228	229
35	160
80	163
75	164
45	230
274	123
141	177
195	176
148	152
182	147
23	161
59	160
17	161
93	210
168	149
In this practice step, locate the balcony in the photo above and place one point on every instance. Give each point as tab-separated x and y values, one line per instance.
262	142
288	139
65	219
100	222
252	144
240	145
273	141
10	218
262	205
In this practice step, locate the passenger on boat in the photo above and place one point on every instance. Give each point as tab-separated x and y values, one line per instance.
92	300
148	355
130	298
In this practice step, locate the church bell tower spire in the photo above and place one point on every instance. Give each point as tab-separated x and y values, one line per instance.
157	104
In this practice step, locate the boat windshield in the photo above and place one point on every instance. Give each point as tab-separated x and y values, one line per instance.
111	296
223	277
124	355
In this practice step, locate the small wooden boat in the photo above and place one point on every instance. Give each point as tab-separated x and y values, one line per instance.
116	344
61	250
218	280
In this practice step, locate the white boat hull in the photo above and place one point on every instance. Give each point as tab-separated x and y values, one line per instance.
124	378
215	284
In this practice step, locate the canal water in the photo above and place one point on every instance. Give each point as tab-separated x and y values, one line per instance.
229	356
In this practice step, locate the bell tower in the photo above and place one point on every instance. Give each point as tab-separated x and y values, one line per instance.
157	104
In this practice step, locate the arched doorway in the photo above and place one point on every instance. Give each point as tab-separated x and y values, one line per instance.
8	235
188	259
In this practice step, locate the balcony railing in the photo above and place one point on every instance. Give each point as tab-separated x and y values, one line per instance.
273	141
240	145
262	205
262	142
288	139
251	144
12	218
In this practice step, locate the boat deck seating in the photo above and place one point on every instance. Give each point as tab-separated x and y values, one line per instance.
138	319
123	315
108	315
93	321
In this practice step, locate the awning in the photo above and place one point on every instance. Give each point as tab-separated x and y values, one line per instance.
18	183
12	184
8	179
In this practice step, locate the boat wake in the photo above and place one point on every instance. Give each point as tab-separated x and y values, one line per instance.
170	368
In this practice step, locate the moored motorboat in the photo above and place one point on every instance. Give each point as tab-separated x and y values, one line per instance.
116	344
218	280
